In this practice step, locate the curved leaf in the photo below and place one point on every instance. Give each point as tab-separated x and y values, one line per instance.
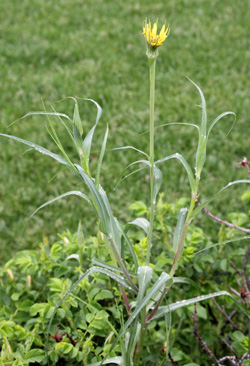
158	181
108	273
164	277
128	175
224	242
178	123
179	229
38	148
218	118
99	263
146	162
199	208
186	166
87	142
140	222
114	232
101	157
180	304
70	193
172	124
130	147
43	113
187	281
144	275
102	211
130	246
203	128
114	360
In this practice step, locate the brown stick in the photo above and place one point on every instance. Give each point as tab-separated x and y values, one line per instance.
172	360
225	314
209	214
197	336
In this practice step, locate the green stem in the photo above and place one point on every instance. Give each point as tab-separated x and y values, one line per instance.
152	63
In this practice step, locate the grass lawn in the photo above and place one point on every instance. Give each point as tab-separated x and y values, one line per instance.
94	49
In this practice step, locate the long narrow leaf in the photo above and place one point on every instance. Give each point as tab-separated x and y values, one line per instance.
159	284
128	175
90	271
114	232
172	124
199	208
180	304
70	193
110	267
114	360
186	166
124	239
38	148
219	118
179	229
86	145
103	213
43	113
130	147
146	162
204	111
97	179
224	242
187	281
144	275
164	277
158	181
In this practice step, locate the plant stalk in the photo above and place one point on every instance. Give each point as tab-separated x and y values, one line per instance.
152	63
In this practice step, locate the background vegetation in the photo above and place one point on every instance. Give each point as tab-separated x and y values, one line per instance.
94	49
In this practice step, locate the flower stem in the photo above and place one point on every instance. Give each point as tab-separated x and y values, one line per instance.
152	62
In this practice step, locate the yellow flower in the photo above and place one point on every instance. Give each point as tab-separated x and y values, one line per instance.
155	40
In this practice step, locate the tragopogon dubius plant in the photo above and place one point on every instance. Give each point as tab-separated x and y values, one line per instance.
144	293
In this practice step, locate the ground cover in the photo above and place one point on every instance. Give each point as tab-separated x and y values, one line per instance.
95	49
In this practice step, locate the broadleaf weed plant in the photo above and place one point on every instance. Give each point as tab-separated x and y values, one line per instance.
144	292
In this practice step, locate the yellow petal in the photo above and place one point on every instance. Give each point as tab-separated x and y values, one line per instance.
154	31
162	30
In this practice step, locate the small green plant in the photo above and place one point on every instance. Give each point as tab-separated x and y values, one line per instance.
145	287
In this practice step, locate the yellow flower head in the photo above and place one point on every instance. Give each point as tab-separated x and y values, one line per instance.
155	40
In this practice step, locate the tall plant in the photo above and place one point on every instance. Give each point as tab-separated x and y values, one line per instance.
144	292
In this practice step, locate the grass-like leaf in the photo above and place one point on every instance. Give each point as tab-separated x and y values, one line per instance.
199	208
158	181
180	304
219	118
102	210
144	275
130	147
87	142
38	148
110	267
124	239
97	178
162	280
70	193
186	166
246	237
203	128
43	113
119	279
145	162
118	360
179	229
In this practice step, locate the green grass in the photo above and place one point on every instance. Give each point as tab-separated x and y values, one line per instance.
94	49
